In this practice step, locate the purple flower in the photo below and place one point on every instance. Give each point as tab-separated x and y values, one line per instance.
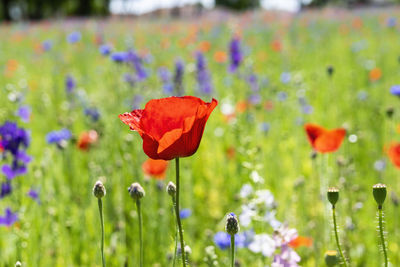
5	189
34	194
93	113
235	54
105	49
282	96
255	99
47	45
391	22
185	213
70	83
203	76
165	77
56	137
395	90
136	61
24	112
285	77
13	138
286	258
74	37
13	171
178	77
253	82
9	218
130	78
223	239
307	109
119	57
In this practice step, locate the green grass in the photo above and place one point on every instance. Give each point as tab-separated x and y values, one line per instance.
63	230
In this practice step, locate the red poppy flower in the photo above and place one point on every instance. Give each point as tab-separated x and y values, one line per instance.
86	139
155	168
301	241
170	127
1	147
323	140
393	152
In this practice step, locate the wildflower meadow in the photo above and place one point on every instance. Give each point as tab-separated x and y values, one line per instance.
223	139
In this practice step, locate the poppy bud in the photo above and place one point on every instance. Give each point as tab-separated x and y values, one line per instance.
333	195
331	258
389	112
136	191
99	190
330	70
379	192
171	189
232	224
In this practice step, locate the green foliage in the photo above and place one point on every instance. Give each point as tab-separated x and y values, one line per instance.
238	4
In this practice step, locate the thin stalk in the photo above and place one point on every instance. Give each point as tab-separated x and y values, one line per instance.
176	233
337	236
178	217
233	250
103	260
139	210
382	236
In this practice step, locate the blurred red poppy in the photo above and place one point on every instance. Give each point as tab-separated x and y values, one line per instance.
1	147
86	139
170	127
393	152
155	168
323	140
301	241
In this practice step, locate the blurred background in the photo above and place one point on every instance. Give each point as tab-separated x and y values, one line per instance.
40	9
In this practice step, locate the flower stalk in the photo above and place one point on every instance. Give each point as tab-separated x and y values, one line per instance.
379	192
99	192
178	217
137	193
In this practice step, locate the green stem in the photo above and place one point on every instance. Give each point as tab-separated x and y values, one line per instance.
103	260
178	217
139	210
233	250
382	235
337	237
176	233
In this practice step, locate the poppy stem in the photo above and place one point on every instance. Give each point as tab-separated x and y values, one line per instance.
337	236
233	250
178	218
99	201
382	235
139	211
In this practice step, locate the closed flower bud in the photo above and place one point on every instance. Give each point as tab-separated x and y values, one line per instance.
136	191
379	192
389	112
333	195
171	189
99	190
232	224
330	70
331	258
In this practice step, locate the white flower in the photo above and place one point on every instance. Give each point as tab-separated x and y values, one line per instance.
269	217
256	177
265	197
283	235
246	191
247	214
264	244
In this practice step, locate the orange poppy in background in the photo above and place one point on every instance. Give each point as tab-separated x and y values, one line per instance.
170	127
323	140
301	241
276	45
155	168
220	56
375	74
204	46
241	106
393	151
86	139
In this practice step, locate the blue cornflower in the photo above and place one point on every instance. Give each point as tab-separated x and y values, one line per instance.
391	22
9	218
223	239
5	189
136	61
70	83
165	77
307	109
119	57
47	45
395	90
178	77
130	78
255	99
285	77
253	82
14	170
24	112
34	194
235	52
264	127
203	76
74	37
185	213
56	137
93	113
282	96
105	49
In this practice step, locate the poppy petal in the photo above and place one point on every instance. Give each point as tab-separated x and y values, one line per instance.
132	119
330	141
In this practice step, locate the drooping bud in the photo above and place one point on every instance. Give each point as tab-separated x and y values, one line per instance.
171	189
333	195
232	224
379	192
136	191
99	190
331	258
